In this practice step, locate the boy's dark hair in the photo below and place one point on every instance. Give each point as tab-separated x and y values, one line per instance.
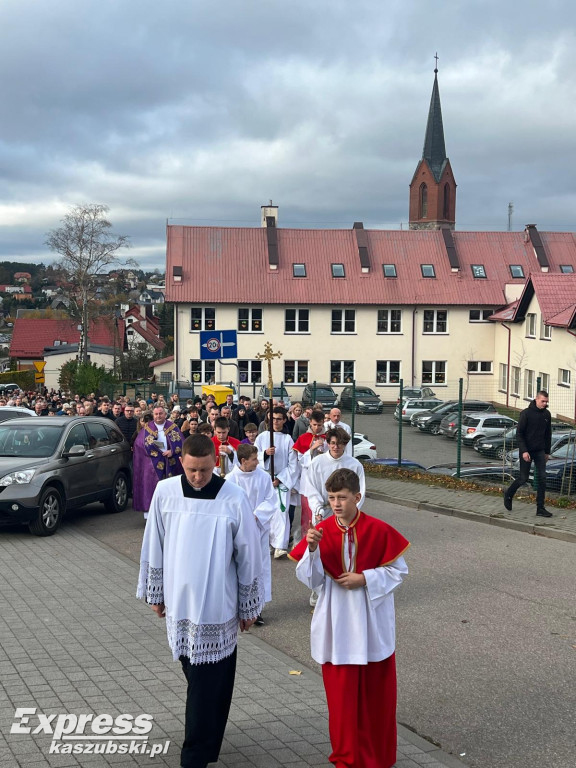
198	445
342	479
279	411
339	433
250	427
317	416
244	451
221	423
204	429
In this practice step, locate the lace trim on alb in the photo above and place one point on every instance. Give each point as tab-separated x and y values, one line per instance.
202	643
150	584
251	598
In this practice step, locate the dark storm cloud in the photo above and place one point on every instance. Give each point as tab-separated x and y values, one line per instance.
205	111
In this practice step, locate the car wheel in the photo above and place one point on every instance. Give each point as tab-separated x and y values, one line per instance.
118	499
49	515
435	429
500	453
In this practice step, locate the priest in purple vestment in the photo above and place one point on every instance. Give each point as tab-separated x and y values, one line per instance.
157	451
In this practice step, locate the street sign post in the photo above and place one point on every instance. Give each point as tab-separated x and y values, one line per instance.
39	366
215	345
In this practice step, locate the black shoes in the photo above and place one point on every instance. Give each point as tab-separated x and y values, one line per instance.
542	512
259	621
508	501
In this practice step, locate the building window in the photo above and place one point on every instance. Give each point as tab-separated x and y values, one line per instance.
567	269
531	326
545	331
249	319
387	371
297	321
479	315
343	321
427	270
296	371
423	201
202	371
563	377
433	372
516	270
298	270
515	383
544	381
479	366
529	384
504	377
338	270
165	377
250	371
446	207
435	321
202	318
478	271
389	321
389	270
341	371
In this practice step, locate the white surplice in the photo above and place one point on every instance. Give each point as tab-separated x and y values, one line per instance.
352	626
319	471
286	471
265	504
201	557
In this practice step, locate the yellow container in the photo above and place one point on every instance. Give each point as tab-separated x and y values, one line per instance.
218	390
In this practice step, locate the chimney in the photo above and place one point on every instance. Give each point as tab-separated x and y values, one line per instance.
268	211
272	241
532	235
362	243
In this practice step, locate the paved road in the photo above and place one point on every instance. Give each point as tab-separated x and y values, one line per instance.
487	634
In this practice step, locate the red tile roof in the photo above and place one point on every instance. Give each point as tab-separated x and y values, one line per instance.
31	335
169	359
230	265
148	335
556	296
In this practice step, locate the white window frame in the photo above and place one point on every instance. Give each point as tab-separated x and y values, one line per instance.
504	377
254	323
343	320
342	371
384	376
296	371
385	316
545	331
250	371
531	325
435	321
476	367
515	379
564	377
544	381
207	371
529	384
483	315
299	320
204	325
437	373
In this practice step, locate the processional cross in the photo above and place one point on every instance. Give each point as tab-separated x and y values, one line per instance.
269	355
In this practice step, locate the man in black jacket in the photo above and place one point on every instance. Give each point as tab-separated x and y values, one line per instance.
127	422
534	437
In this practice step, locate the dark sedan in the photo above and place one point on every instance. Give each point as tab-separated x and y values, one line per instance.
500	445
51	464
367	401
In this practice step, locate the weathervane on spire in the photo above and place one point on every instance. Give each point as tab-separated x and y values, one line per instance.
436	57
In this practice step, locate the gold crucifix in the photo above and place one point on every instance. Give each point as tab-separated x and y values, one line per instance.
268	355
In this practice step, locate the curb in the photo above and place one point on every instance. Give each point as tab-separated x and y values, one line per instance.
502	522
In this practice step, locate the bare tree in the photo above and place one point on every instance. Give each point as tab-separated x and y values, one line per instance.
88	249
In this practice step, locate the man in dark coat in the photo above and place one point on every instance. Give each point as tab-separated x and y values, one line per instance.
534	438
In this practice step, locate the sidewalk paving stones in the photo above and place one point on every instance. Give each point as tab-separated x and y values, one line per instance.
74	639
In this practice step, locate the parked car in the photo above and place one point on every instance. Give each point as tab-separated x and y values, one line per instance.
412	406
278	393
322	393
416	392
499	445
367	401
493	473
393	462
6	389
49	465
559	440
429	421
478	425
8	412
560	470
364	448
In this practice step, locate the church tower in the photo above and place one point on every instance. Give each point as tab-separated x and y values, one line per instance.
433	189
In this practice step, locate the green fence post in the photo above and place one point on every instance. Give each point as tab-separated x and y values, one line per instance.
400	423
535	478
459	429
352	426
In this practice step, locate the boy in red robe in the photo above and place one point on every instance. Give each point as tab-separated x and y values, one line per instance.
225	447
354	562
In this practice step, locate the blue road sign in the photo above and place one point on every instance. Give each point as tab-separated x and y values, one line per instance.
214	345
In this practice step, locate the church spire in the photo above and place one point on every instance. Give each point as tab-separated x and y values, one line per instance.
434	148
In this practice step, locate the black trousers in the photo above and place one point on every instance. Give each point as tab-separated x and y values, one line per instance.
208	700
539	459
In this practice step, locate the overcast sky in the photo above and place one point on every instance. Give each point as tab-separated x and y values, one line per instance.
201	112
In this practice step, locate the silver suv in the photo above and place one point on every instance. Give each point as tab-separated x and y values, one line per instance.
411	406
477	425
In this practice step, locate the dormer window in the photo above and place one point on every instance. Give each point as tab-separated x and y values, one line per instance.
298	270
516	270
389	270
478	271
338	270
566	269
428	270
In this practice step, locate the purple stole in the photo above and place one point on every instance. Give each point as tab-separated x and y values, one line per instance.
164	467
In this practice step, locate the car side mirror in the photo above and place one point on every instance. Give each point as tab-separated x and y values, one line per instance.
75	450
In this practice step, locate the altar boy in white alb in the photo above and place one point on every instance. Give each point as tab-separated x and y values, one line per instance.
264	501
201	569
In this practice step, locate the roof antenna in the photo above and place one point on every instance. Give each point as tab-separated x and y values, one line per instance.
436	68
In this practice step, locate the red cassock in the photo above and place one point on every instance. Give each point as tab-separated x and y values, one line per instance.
361	697
229	441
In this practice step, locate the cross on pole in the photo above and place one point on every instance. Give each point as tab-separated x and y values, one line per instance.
269	355
436	57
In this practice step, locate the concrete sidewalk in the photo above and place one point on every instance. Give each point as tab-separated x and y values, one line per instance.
475	506
74	639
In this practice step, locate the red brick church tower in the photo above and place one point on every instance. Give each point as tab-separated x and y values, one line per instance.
433	188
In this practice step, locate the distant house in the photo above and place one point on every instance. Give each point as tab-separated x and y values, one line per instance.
151	296
22	277
56	357
142	326
163	370
15	289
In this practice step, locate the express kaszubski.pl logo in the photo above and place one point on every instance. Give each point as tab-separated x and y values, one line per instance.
88	734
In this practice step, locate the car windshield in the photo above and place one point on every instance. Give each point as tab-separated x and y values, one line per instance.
23	440
365	391
567	451
441	407
510	433
323	392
